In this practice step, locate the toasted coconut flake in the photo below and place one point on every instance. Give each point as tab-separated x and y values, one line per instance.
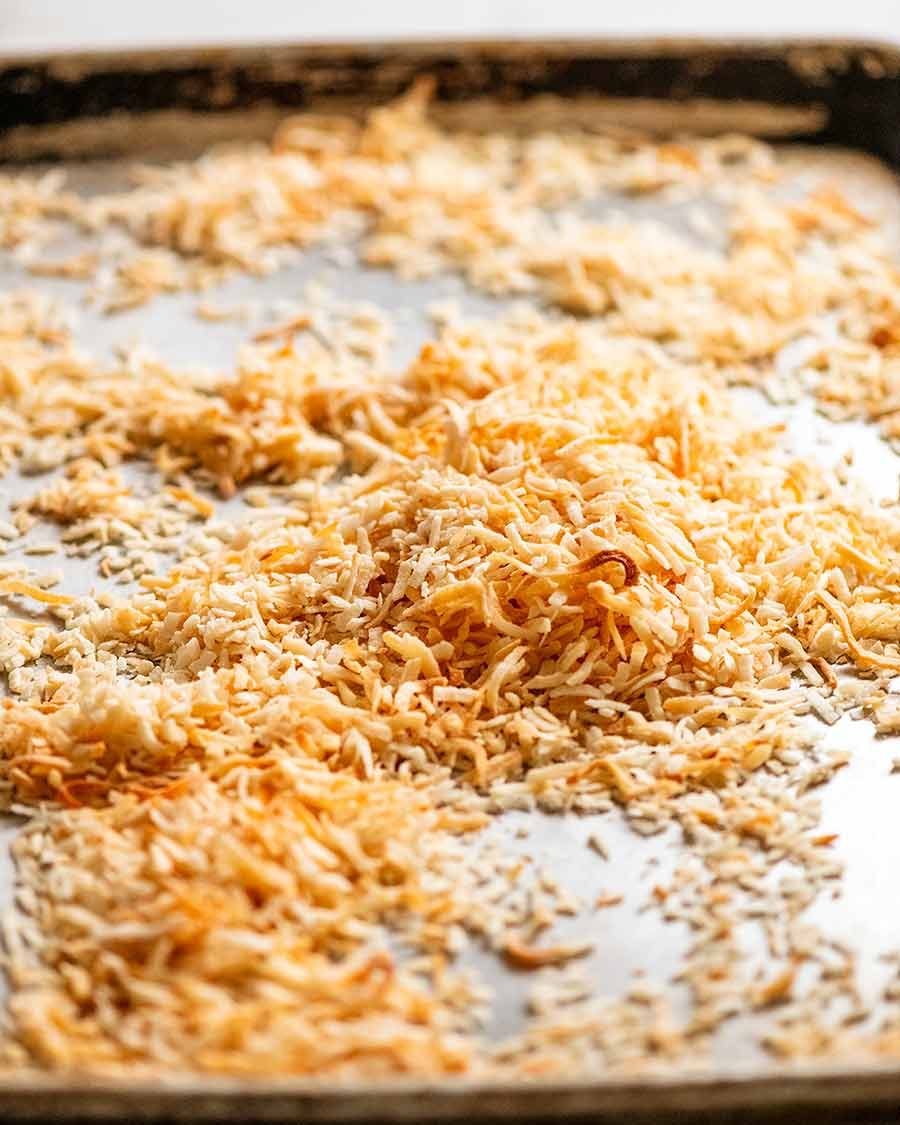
239	777
523	956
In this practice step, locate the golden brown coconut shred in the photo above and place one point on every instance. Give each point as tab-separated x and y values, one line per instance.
565	570
623	564
502	209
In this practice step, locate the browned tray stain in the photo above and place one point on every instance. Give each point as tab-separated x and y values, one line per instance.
842	93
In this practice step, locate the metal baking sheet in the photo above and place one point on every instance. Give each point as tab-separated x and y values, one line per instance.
859	805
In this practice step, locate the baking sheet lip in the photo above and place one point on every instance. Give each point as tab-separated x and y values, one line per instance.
749	1086
602	45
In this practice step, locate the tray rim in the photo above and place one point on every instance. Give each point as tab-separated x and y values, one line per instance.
791	1087
607	45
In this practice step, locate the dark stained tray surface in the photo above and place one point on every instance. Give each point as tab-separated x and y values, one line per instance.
857	85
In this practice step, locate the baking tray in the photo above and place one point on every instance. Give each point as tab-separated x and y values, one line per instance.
93	113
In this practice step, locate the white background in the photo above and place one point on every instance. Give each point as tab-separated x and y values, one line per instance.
41	24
